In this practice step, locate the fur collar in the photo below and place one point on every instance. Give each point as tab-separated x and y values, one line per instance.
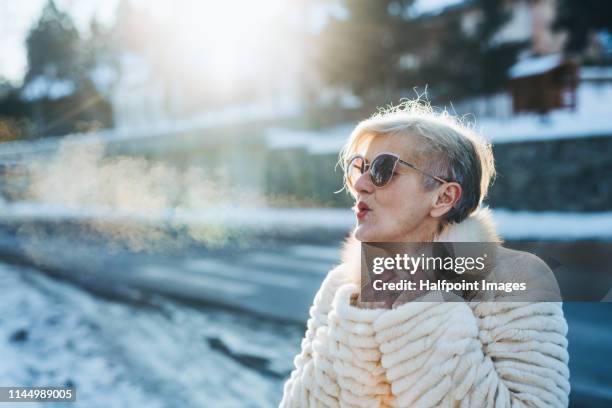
478	227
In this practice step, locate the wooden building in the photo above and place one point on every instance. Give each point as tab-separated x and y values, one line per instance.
542	84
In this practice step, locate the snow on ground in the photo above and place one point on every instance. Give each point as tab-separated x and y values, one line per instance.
121	355
590	119
258	218
511	224
550	225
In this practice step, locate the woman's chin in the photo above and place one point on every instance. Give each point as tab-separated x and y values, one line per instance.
365	233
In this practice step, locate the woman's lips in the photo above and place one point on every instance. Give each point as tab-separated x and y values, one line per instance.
361	210
361	214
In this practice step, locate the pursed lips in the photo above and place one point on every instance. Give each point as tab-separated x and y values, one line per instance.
361	209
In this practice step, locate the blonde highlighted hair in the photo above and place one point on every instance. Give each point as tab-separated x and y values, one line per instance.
450	149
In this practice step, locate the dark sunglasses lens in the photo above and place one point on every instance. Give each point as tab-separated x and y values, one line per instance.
354	170
382	169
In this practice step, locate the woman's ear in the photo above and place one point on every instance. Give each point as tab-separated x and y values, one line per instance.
447	196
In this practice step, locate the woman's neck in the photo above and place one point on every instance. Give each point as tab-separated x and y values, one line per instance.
426	232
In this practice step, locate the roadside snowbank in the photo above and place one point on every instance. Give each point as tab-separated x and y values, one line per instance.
511	224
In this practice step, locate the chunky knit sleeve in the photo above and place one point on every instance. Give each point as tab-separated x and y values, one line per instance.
296	389
339	365
311	383
471	355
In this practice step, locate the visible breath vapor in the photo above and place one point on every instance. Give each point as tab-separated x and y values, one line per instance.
138	203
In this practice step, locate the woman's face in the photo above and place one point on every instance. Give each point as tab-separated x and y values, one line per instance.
401	210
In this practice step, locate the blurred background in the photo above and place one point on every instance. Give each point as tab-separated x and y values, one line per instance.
168	178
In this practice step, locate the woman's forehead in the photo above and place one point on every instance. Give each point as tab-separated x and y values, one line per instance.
372	145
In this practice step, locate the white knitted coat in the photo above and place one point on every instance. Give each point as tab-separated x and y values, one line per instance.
424	354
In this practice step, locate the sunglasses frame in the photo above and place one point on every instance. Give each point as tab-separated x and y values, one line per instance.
368	166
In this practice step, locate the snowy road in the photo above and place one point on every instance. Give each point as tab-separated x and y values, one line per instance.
159	354
257	278
166	354
153	351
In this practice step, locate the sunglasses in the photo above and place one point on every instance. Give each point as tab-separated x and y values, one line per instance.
381	169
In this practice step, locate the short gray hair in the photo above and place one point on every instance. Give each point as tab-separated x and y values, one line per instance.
451	150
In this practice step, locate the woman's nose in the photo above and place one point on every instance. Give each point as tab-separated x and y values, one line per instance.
364	184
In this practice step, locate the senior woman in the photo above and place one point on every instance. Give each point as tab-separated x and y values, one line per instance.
420	176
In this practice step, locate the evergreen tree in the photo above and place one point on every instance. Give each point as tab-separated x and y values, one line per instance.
53	46
581	18
472	63
361	50
58	86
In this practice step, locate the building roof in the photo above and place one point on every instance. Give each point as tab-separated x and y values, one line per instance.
535	66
